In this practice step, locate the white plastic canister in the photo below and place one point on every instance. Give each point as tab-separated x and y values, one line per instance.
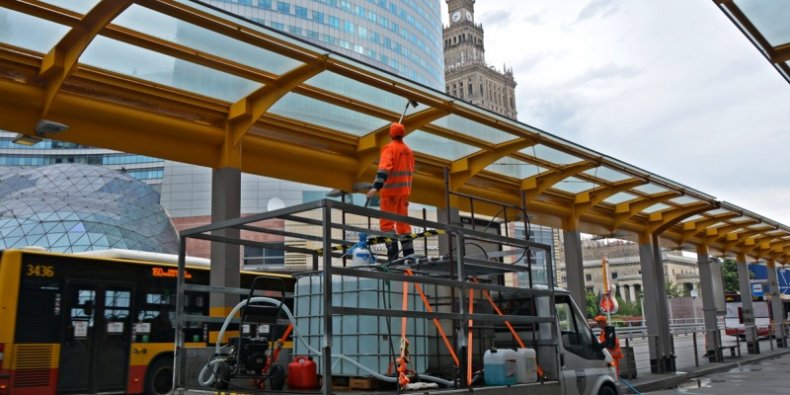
499	367
526	366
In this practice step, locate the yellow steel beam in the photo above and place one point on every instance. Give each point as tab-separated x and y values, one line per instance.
587	200
723	231
779	252
627	210
467	167
60	61
691	228
762	246
245	112
536	185
780	54
662	220
742	238
369	145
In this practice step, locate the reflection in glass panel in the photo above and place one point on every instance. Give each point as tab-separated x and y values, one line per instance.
339	84
84	295
770	17
241	22
655	208
550	154
692	218
168	28
573	185
684	200
25	31
80	6
650	189
162	69
441	147
718	224
116	298
514	168
608	174
620	197
306	109
718	211
462	125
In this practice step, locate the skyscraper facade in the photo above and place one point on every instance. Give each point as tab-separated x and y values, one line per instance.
400	36
467	76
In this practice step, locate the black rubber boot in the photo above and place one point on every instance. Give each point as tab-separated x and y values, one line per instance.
392	250
408	248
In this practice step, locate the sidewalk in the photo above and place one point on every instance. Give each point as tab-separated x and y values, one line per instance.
655	382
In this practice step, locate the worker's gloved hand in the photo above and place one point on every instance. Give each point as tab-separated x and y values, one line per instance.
371	193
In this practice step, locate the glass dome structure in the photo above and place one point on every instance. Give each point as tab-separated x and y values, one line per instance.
75	208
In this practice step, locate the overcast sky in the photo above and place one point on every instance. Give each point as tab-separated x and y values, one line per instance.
670	86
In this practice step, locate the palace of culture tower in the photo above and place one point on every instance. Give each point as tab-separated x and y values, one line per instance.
466	74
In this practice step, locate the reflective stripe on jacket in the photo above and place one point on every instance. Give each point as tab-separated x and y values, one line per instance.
396	169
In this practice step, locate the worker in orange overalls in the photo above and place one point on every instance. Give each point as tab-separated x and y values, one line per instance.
393	179
613	344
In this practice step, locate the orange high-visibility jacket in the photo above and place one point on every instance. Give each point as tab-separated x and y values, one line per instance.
396	169
616	351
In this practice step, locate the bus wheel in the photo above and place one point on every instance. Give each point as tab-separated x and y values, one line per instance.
159	378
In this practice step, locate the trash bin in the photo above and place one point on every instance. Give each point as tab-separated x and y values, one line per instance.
628	363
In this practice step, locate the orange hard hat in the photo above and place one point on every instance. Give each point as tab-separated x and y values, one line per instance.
397	130
600	319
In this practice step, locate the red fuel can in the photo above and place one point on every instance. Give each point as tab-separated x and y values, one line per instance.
302	373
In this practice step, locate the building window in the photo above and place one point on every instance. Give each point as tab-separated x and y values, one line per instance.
259	256
301	12
588	277
614	275
265	4
283	7
318	17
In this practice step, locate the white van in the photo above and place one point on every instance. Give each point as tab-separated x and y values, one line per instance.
579	365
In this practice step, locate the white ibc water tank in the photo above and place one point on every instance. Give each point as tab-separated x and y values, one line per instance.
363	338
526	366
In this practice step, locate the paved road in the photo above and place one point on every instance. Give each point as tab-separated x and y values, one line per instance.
770	376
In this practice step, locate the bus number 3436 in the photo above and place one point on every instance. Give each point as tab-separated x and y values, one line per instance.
40	271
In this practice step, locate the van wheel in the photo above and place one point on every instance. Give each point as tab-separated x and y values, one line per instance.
159	378
607	389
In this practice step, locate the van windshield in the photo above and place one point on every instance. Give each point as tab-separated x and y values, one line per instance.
576	335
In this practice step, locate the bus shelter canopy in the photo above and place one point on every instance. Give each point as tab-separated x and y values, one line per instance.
178	80
766	23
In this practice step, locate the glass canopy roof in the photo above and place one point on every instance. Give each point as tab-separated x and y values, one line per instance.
178	80
765	24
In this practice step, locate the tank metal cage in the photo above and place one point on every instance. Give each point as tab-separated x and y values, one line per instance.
459	283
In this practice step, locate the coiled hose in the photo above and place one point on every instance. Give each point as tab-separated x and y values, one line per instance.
212	365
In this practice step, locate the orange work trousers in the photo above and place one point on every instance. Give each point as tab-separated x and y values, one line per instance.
398	204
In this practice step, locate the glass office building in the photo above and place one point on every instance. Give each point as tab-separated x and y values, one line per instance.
50	152
75	208
400	36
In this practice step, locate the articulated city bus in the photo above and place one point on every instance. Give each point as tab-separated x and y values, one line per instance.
733	319
87	325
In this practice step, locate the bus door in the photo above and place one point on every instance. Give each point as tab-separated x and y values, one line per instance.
94	354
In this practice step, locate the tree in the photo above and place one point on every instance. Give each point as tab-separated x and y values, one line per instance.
592	305
671	289
729	273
